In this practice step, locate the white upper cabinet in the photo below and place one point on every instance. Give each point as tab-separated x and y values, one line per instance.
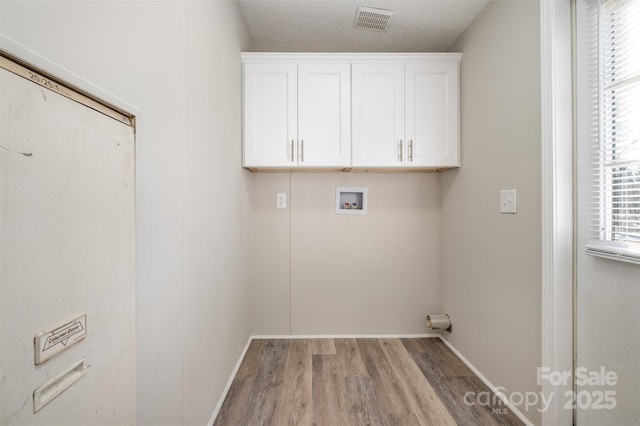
405	115
431	115
351	110
324	115
270	115
378	115
297	115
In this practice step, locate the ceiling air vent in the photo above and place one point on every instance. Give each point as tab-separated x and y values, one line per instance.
371	18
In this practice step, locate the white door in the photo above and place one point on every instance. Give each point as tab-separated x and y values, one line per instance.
270	115
67	213
378	115
324	115
431	126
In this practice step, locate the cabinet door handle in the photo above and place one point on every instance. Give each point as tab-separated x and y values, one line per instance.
292	159
301	150
411	150
400	154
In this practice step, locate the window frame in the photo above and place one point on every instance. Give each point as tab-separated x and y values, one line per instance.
607	172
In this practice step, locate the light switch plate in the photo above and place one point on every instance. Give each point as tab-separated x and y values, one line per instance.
508	201
281	200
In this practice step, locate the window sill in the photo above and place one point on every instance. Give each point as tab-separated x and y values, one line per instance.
615	251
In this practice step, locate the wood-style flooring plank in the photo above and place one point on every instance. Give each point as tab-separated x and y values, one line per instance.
439	355
414	345
295	402
323	347
328	392
350	358
418	395
386	388
269	378
361	402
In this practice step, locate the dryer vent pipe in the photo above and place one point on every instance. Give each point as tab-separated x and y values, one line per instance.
439	322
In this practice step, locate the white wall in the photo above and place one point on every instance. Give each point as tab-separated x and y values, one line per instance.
216	206
192	197
608	292
318	272
491	264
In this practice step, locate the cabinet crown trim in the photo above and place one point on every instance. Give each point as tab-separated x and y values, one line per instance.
351	58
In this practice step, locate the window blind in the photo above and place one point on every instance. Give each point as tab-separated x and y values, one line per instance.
615	230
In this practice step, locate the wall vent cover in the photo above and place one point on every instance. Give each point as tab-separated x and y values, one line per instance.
371	18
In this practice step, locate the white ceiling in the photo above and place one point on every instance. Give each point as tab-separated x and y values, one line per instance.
327	25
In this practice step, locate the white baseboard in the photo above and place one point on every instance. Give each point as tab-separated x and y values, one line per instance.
229	382
343	336
486	381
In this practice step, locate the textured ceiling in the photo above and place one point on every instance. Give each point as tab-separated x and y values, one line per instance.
327	25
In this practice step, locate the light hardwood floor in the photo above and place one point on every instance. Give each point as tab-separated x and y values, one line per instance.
356	382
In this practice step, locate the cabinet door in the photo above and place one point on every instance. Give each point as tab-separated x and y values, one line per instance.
431	126
378	115
270	115
324	115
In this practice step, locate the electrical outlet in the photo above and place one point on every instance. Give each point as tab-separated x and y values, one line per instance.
281	200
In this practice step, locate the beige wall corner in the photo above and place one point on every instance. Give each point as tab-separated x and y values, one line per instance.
491	263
